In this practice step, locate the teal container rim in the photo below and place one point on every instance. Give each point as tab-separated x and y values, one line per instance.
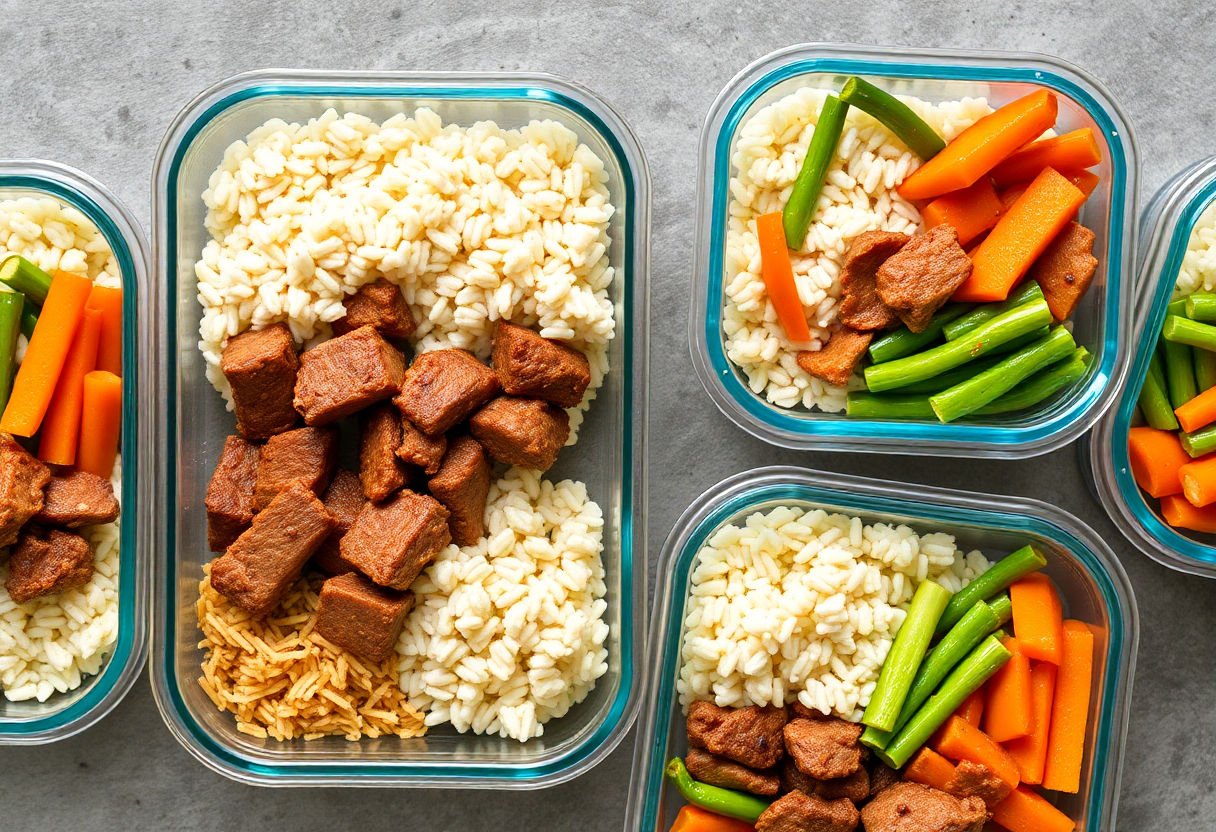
930	505
122	233
442	85
1067	419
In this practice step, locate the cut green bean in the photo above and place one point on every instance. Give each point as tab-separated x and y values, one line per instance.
1002	605
1040	387
728	802
1201	442
1156	366
908	651
1180	371
1201	307
29	320
999	576
1179	330
897	116
23	276
960	374
1154	403
863	405
804	197
1205	369
960	326
903	341
11	304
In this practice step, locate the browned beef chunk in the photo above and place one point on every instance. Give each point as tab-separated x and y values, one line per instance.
836	361
799	711
923	275
344	375
462	484
380	305
381	472
977	780
855	787
22	480
443	387
361	617
719	771
304	454
78	498
881	776
230	494
825	748
344	499
911	807
263	563
799	812
535	367
393	542
419	449
45	562
860	306
527	432
1065	270
751	736
261	367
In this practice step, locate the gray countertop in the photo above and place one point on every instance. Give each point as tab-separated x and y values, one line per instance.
95	84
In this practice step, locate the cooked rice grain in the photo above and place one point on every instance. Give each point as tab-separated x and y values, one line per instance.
1198	271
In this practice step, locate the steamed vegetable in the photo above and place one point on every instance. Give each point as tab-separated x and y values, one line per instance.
897	116
778	277
1180	514
960	740
1027	292
732	804
1070	710
1199	481
1180	330
1002	573
1201	307
108	302
1025	811
695	819
1198	411
804	198
60	432
102	423
1086	181
1156	457
903	341
1040	387
12	304
972	709
25	277
1071	151
1038	617
971	211
1030	752
1154	402
907	653
1197	444
930	769
1007	711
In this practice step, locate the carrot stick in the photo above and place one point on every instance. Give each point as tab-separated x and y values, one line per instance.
1085	180
930	769
46	354
1180	514
971	211
1007	711
1038	618
1156	456
1075	150
982	146
696	819
1070	710
108	301
1199	481
1020	236
960	740
1025	811
972	708
1030	751
61	427
778	276
102	423
1198	412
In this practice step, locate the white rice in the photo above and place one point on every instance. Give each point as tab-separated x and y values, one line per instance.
473	223
1198	272
510	633
801	604
859	195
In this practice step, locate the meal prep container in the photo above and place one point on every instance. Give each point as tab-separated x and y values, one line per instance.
1102	323
609	456
1166	230
1092	583
66	714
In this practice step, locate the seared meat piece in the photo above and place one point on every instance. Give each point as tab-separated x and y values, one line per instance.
305	454
443	387
381	472
719	771
230	494
380	305
527	432
881	776
361	617
799	711
977	780
751	736
911	807
419	449
462	484
535	367
1065	270
268	557
393	542
78	498
923	275
860	306
22	480
343	375
825	748
855	787
799	812
343	499
261	367
45	562
838	358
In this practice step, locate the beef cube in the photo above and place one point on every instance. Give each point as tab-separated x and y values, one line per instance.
799	812
261	367
419	449
881	776
361	617
393	542
45	562
230	494
912	807
855	787
263	563
462	484
719	771
304	454
443	387
78	498
922	276
977	780
825	748
860	306
22	480
380	305
1065	270
535	367
380	471
344	499
751	736
835	362
344	375
527	432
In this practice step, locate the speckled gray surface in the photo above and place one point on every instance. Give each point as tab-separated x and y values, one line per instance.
95	84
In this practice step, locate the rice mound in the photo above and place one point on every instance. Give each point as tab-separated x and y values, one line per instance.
799	604
1198	270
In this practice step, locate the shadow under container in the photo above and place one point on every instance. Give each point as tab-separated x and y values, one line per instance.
66	714
1092	584
608	458
1101	323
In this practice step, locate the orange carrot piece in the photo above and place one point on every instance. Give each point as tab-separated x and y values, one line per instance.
1198	412
1085	180
1198	480
1007	710
1075	150
1025	811
972	708
45	356
1030	751
696	819
1020	236
778	276
1179	513
982	146
108	301
930	769
61	427
1156	456
971	211
1070	710
960	740
1038	618
102	423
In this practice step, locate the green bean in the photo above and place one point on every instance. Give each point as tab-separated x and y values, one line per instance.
907	652
903	341
11	304
1154	402
29	320
999	576
804	198
1201	307
1200	442
1040	387
1179	330
1205	369
959	327
23	276
897	116
716	799
863	405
